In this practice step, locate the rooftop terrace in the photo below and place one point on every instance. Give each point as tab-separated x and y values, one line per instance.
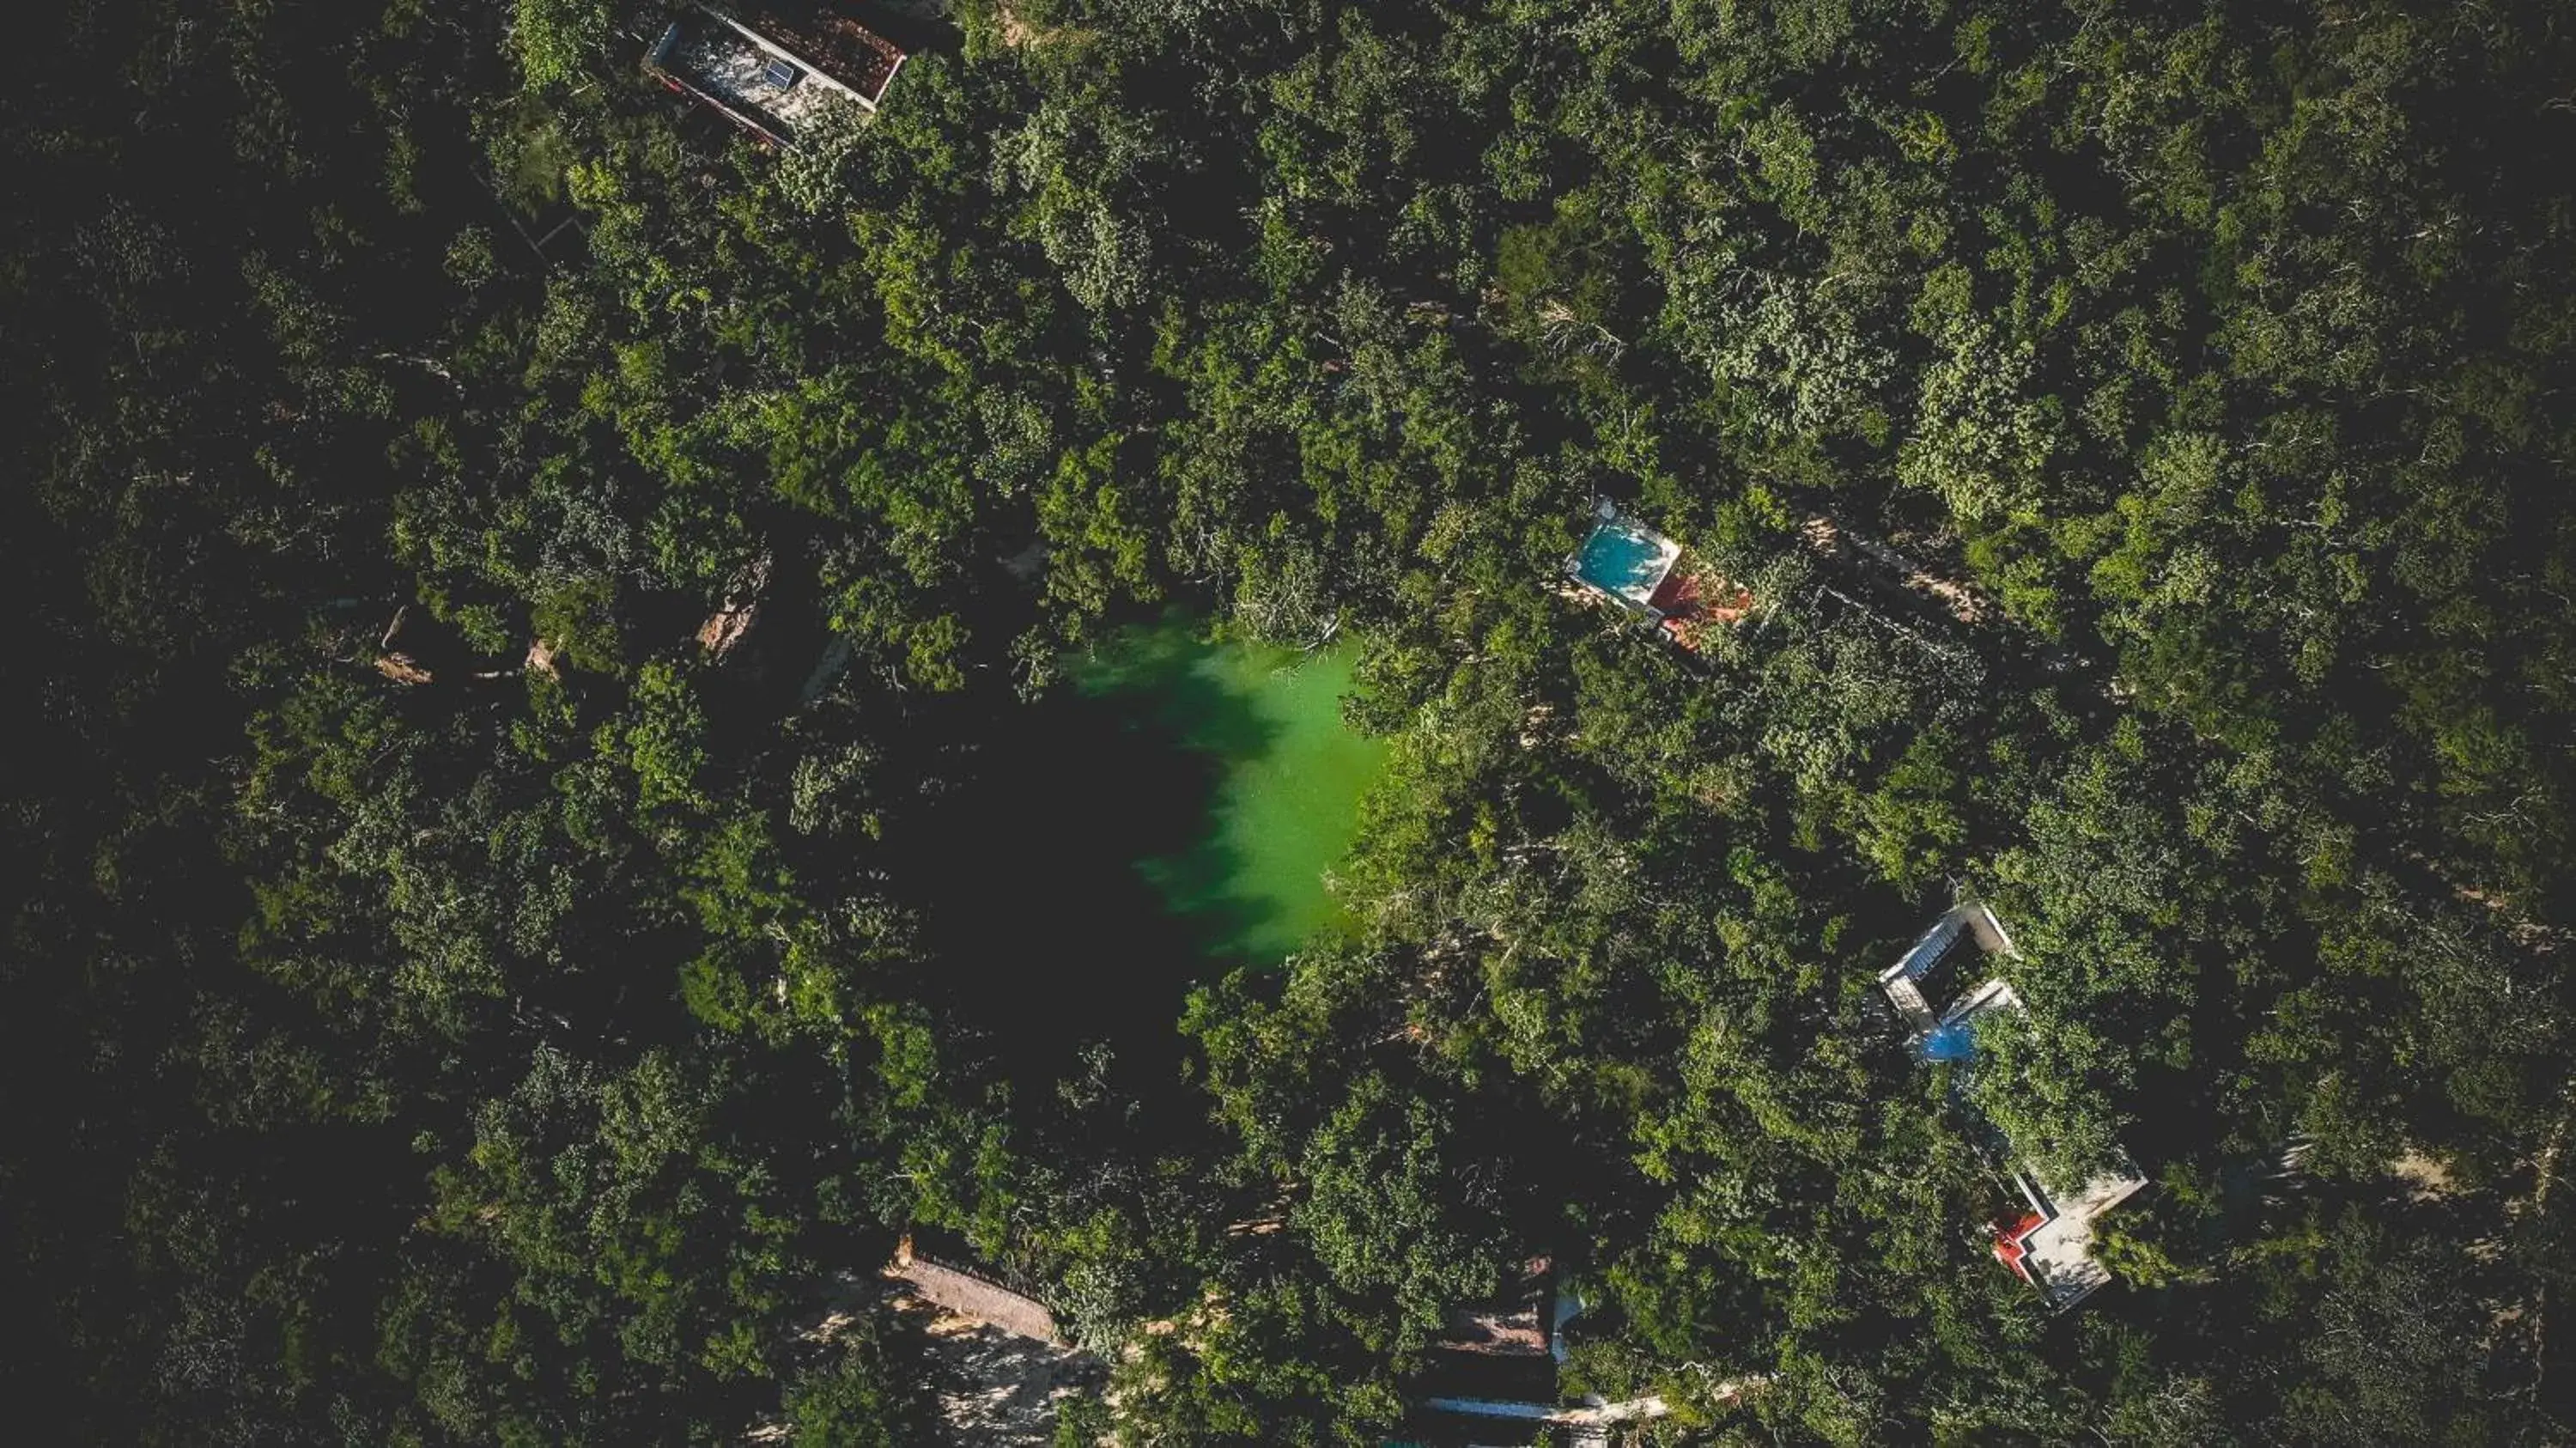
775	73
836	44
2052	1247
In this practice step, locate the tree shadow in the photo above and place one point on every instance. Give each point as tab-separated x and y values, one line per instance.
1085	886
916	27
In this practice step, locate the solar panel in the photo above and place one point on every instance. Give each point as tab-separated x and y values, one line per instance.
780	74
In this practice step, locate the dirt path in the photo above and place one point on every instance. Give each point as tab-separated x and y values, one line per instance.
995	1388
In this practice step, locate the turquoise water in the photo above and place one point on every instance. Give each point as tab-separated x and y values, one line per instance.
1624	557
1956	1041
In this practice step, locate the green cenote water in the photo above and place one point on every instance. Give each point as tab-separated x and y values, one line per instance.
1286	786
1168	817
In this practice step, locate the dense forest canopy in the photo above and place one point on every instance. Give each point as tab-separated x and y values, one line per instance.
515	584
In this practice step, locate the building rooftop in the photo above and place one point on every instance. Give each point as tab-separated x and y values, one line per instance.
1930	968
834	42
2051	1245
970	1294
775	72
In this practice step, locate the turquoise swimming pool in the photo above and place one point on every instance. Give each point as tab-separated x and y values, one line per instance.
1625	559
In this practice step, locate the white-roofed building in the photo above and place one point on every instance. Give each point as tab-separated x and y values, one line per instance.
2050	1246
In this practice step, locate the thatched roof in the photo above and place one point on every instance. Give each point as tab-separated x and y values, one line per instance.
970	1296
741	608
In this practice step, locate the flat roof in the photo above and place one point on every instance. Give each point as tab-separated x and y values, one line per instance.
2057	1255
1924	971
774	73
834	42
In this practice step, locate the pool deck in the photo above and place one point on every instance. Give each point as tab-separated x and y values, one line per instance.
1653	579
